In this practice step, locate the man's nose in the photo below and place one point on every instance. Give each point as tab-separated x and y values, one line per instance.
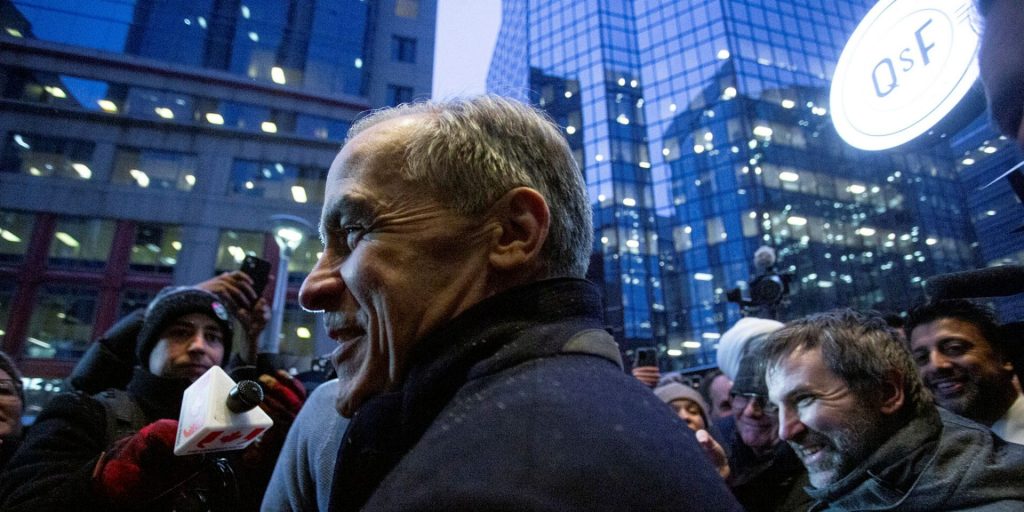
938	360
323	288
789	424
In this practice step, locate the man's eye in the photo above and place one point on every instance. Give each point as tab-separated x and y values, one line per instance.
353	232
921	358
954	349
804	401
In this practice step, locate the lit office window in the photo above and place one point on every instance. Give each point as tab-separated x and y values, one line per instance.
156	248
62	322
7	290
276	180
321	127
39	155
152	169
304	258
15	234
407	8
157	104
81	243
234	246
297	331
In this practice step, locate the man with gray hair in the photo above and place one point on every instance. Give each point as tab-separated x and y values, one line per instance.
471	355
852	406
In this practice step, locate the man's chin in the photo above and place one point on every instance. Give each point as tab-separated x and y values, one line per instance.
353	393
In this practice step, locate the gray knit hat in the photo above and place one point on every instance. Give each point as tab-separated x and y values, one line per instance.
173	303
7	365
673	391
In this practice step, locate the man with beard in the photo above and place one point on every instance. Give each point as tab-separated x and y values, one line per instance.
472	358
960	354
854	409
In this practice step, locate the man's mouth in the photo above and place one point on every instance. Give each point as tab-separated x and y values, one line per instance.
947	387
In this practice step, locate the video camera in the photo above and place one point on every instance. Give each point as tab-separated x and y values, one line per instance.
766	290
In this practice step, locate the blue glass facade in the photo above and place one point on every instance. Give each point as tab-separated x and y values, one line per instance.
703	131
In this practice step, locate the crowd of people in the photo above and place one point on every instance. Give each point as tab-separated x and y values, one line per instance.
474	370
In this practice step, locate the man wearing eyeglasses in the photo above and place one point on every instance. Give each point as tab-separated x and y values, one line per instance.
765	474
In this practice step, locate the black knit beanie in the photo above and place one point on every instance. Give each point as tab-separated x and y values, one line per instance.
173	303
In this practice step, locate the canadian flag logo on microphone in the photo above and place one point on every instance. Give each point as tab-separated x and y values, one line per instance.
217	415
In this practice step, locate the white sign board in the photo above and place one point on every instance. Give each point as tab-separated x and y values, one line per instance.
906	66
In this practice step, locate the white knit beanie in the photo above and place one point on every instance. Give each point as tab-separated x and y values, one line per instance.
733	342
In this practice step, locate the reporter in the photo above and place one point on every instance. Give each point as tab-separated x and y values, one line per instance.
113	451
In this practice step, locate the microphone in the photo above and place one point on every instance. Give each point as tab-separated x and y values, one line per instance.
219	415
999	281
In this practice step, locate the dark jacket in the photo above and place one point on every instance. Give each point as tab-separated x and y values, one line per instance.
520	403
53	468
774	482
935	463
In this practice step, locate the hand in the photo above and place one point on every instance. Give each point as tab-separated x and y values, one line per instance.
142	467
714	452
649	375
253	322
233	288
283	396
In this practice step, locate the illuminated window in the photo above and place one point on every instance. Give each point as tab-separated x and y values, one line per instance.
81	243
276	180
7	290
38	155
15	234
321	127
62	322
155	248
407	8
297	332
159	170
234	246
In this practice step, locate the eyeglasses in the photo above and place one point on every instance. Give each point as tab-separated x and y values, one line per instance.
741	400
10	388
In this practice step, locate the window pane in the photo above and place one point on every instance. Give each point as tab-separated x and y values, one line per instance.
81	243
61	323
304	257
321	127
156	248
132	300
275	180
161	170
297	331
37	155
407	8
15	233
234	246
6	299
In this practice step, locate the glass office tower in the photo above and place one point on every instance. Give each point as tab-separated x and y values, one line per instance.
145	143
703	131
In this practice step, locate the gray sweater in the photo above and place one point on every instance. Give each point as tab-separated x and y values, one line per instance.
305	469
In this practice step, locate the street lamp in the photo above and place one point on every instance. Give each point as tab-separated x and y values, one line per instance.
289	231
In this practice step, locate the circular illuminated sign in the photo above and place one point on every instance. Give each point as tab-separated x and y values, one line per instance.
906	66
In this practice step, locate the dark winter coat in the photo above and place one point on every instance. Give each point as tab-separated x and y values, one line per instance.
53	468
774	482
520	403
935	463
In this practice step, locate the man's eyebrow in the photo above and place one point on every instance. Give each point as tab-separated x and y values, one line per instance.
343	209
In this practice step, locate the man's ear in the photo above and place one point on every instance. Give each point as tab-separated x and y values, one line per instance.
524	220
892	394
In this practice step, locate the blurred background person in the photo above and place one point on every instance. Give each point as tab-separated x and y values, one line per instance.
962	357
12	405
715	388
